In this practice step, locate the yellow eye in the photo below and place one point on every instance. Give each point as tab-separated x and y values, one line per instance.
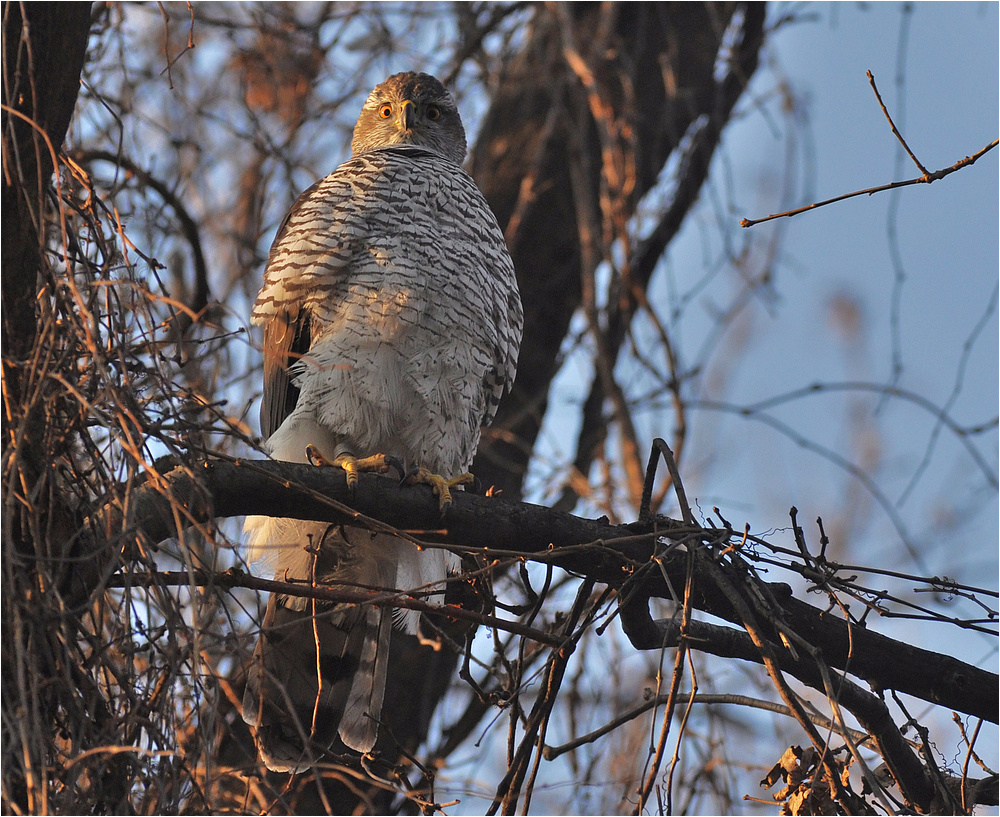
433	113
385	111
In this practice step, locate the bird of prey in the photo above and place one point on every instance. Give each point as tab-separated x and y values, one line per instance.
392	323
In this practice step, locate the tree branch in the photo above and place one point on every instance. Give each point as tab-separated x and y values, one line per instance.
870	191
396	599
925	177
617	555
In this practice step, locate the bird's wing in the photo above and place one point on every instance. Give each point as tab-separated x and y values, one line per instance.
313	248
286	339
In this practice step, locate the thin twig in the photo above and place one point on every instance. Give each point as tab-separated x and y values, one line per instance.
675	681
899	136
682	500
744	609
552	752
930	177
237	578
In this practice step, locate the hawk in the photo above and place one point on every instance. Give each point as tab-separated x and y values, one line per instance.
392	323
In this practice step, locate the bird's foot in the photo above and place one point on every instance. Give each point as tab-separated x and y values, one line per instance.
441	486
352	466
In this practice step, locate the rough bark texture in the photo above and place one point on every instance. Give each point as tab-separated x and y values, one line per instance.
44	45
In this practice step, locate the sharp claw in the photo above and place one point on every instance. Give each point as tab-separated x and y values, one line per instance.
413	477
315	456
396	464
441	486
351	465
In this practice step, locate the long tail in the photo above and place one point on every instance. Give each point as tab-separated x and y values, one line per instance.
359	724
316	677
296	701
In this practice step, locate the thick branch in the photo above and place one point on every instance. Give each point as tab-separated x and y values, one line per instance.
606	553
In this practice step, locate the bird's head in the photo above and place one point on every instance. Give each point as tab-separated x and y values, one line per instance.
411	109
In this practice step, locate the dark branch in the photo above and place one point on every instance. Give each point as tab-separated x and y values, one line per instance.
617	555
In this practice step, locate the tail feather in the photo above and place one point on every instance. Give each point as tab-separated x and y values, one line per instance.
295	700
359	724
318	678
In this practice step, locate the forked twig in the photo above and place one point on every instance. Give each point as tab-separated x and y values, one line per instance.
899	136
660	447
925	177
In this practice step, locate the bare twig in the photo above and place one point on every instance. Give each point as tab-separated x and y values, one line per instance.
660	447
925	177
745	610
673	695
552	752
930	177
899	136
397	599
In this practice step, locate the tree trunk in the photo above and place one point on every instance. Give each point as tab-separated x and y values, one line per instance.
654	65
44	46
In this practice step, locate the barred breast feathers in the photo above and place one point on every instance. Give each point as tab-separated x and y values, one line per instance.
333	232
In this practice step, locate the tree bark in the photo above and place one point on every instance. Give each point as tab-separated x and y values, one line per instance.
44	47
611	554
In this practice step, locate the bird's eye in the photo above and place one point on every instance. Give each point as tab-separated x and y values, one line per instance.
433	113
385	111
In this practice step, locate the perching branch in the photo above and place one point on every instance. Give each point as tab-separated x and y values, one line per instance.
620	556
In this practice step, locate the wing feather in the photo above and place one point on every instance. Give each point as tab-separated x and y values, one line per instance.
286	339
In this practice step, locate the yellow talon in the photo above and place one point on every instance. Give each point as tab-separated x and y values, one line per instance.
352	466
315	456
441	486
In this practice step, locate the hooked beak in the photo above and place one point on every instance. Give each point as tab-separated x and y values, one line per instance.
407	116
